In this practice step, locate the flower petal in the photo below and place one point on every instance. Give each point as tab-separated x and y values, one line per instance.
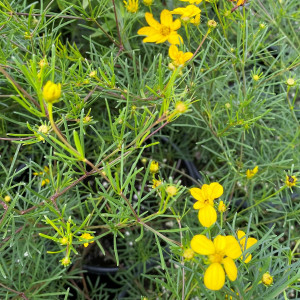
151	21
207	216
166	18
230	268
202	245
152	38
197	194
216	190
214	277
175	39
248	257
147	31
233	249
249	242
187	56
198	205
173	52
220	243
162	39
176	24
241	237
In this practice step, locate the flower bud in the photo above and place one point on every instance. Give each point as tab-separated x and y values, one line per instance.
51	92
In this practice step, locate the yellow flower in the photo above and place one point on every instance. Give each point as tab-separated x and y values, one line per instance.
221	207
154	167
230	297
251	173
179	58
44	129
7	198
86	236
212	24
206	195
196	20
64	240
93	74
43	63
27	35
148	2
262	26
132	5
45	181
171	190
246	243
161	32
188	254
267	279
156	183
66	261
290	82
221	254
290	180
51	92
181	107
187	12
255	77
192	1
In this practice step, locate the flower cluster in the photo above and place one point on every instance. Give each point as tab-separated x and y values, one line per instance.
44	175
166	29
222	250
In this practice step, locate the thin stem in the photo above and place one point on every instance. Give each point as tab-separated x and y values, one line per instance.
200	45
57	131
121	47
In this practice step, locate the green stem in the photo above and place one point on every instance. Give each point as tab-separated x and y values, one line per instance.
56	130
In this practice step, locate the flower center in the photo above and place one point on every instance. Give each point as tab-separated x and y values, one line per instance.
216	258
165	30
206	201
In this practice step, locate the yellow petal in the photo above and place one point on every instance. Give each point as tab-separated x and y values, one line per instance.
216	190
230	268
178	11
176	24
151	21
162	39
197	194
249	242
220	243
207	216
202	245
152	38
147	31
241	237
166	18
187	56
240	234
233	249
214	277
240	2
173	52
198	205
248	257
175	39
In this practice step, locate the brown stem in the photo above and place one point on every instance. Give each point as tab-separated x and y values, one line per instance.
121	47
17	139
21	294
